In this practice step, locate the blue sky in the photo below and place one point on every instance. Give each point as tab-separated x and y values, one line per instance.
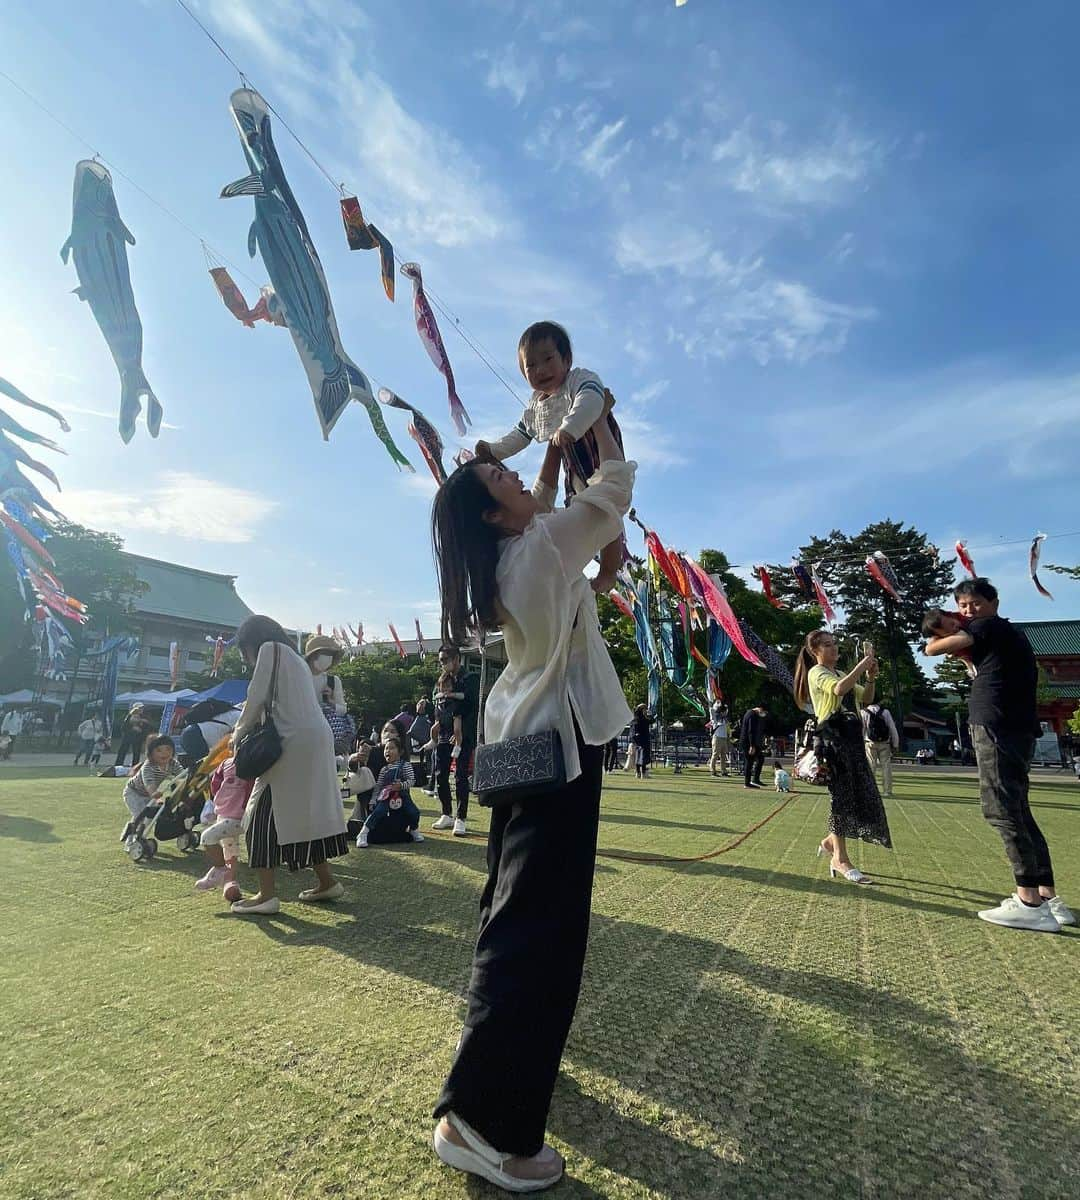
824	255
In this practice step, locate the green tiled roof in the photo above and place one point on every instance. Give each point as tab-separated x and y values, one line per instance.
1063	691
1052	637
187	593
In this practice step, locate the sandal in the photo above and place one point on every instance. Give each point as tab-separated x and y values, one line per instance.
478	1158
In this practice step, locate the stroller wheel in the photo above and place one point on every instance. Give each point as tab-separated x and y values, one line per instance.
150	846
183	842
136	851
196	839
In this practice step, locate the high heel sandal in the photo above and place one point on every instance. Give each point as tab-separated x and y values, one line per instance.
851	874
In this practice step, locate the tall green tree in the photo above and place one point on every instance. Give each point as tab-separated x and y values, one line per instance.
868	612
378	686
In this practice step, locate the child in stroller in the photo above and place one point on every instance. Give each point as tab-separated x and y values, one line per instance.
164	800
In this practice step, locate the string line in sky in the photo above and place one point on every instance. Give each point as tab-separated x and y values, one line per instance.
437	302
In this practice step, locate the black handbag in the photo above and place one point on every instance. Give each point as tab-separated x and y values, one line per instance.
519	768
257	751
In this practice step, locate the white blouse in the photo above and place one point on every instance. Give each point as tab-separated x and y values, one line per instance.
558	666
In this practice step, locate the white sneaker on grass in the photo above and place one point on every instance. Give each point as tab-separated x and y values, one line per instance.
416	835
361	840
1014	913
1063	914
443	822
459	828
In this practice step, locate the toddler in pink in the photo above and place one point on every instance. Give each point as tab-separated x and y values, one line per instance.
221	842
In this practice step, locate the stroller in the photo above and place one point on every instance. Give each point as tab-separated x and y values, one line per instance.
177	812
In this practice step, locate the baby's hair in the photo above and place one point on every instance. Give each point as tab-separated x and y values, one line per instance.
931	621
540	332
777	764
155	743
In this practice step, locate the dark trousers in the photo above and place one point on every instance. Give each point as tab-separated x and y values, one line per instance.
444	765
611	755
534	927
128	744
86	747
1004	760
754	760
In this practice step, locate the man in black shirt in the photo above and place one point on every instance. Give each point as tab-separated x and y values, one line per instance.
1004	728
752	745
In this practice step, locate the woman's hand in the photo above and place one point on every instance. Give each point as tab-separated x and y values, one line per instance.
562	440
873	669
482	451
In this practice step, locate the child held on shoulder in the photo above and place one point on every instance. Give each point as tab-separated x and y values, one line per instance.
565	404
394	816
937	623
221	841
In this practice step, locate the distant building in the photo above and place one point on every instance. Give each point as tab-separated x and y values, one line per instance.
1057	651
181	604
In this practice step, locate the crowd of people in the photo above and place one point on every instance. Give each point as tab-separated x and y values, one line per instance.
509	560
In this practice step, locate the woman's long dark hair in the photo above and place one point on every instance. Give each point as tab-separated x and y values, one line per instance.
256	630
466	554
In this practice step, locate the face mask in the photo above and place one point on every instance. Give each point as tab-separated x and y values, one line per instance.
322	662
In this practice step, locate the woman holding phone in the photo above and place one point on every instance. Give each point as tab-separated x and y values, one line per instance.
856	810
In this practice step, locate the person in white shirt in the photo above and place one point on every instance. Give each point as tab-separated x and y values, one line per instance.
12	725
90	730
507	561
721	745
882	741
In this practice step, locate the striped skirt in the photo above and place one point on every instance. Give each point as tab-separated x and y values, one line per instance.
265	853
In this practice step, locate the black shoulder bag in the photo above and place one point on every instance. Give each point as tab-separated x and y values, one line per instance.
517	768
257	751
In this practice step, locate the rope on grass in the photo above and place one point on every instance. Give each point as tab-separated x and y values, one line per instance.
665	858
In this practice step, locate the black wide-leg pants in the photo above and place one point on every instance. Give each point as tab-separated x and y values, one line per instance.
534	928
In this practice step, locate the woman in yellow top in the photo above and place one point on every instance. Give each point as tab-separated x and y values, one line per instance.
857	810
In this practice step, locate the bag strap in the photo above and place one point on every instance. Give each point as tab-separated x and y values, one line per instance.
483	679
268	708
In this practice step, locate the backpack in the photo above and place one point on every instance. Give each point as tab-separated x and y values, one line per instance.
877	728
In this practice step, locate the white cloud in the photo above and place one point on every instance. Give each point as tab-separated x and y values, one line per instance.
508	73
181	505
741	304
772	165
603	151
646	395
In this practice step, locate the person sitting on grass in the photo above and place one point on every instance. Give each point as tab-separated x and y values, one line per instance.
144	784
221	841
394	818
781	778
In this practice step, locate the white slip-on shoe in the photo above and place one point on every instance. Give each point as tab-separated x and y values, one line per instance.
1062	913
263	908
443	822
1015	914
361	840
334	892
478	1158
459	828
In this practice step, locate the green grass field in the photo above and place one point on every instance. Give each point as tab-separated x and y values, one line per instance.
746	1028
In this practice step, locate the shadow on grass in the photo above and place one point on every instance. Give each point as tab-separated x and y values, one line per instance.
607	818
26	829
718	1090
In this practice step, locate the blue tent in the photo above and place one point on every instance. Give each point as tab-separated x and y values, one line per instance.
233	691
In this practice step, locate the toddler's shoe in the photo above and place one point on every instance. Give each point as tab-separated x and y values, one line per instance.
212	879
231	891
416	835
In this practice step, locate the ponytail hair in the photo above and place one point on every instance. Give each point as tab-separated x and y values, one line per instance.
805	663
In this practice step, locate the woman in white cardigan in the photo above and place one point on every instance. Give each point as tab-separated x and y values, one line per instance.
507	561
294	814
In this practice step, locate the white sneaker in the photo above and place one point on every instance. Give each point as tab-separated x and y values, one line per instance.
459	828
416	835
361	840
443	822
1062	913
1014	913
